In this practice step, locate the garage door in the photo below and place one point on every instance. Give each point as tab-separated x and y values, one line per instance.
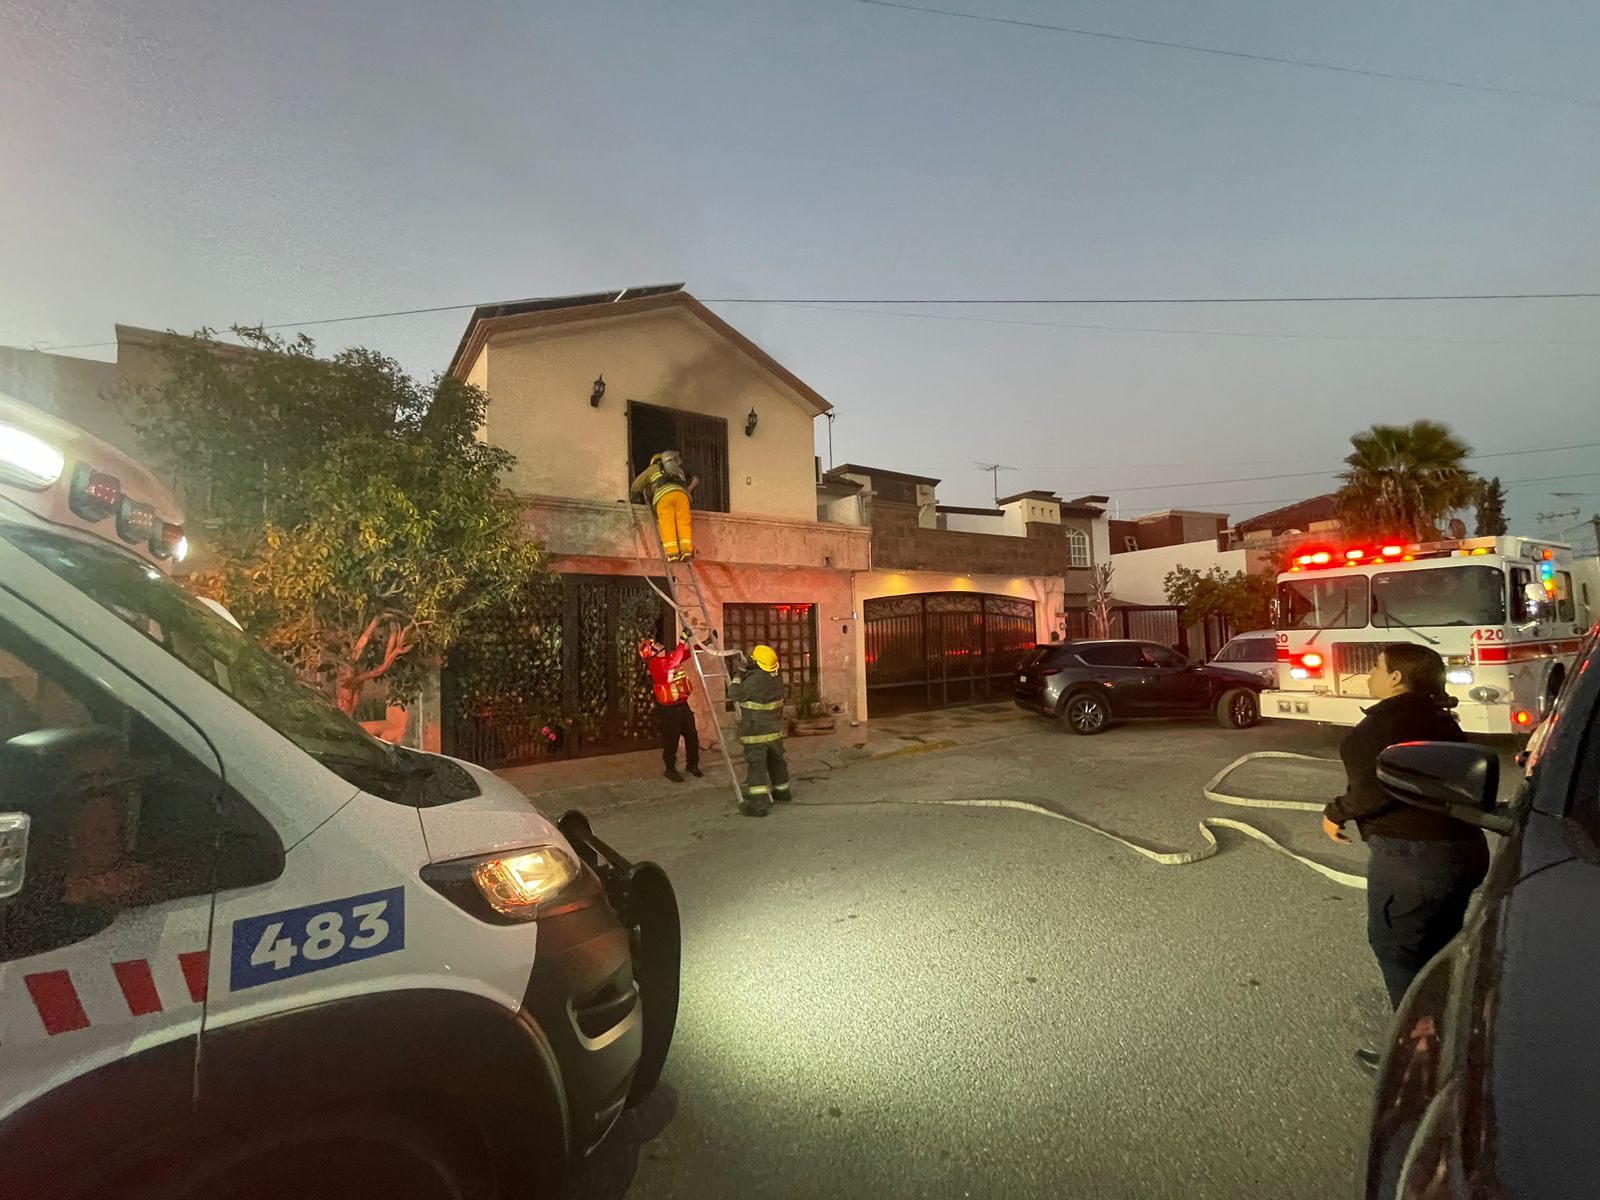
936	649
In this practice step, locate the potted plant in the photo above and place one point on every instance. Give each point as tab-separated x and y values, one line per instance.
811	716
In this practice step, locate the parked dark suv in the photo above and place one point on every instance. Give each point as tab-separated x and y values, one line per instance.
1491	1078
1091	684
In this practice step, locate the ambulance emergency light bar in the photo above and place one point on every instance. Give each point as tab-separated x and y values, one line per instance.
37	464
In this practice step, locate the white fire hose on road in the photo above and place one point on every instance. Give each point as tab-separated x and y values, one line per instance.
1178	858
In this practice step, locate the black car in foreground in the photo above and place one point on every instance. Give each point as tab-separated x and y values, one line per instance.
1491	1078
1090	684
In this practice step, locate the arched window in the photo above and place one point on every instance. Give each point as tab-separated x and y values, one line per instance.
1077	548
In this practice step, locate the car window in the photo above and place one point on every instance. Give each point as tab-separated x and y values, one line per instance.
1162	656
1253	650
1567	607
1112	654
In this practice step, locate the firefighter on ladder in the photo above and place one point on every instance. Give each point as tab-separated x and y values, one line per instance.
667	486
759	694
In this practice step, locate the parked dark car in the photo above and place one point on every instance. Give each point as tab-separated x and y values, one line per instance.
1491	1077
1090	684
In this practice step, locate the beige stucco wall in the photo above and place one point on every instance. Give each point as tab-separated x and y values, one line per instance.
539	384
1045	592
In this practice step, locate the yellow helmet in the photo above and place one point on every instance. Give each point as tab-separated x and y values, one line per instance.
766	658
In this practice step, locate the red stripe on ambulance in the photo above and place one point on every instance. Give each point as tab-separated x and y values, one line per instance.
138	986
61	1009
56	1001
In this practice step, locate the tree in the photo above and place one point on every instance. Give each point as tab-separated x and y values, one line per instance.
1243	601
1100	599
351	517
1404	480
1491	505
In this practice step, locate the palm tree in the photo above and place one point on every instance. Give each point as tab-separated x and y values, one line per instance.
1405	480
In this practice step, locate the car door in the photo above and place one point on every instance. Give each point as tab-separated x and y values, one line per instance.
108	844
1172	684
1116	668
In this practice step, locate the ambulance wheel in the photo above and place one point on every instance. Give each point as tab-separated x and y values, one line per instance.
338	1156
1239	708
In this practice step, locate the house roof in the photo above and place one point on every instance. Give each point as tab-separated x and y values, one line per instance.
971	512
879	473
1036	494
1292	516
512	316
1090	500
1180	512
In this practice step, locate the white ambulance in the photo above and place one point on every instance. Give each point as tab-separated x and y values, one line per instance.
1502	612
246	950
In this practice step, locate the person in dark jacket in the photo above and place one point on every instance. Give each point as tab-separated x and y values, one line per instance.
1423	866
758	692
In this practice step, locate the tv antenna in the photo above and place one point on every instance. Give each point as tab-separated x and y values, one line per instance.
994	470
1550	518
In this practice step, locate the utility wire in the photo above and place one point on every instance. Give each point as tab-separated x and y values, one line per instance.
1156	487
1306	63
988	301
1233	333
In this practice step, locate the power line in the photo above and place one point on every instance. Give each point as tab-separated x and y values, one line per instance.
1234	333
1421	297
1155	487
1306	63
990	301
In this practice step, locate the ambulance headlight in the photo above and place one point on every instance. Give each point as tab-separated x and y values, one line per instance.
507	888
27	460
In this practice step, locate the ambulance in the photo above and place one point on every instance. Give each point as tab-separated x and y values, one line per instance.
247	950
1501	611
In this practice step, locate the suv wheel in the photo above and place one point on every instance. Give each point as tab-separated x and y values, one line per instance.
1086	713
1239	708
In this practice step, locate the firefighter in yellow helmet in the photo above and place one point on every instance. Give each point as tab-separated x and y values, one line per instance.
758	692
667	484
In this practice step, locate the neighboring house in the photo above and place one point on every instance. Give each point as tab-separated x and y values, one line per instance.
86	391
583	390
1171	527
956	595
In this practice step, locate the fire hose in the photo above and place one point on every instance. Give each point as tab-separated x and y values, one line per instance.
1209	846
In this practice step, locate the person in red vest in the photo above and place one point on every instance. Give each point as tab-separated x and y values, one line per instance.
669	673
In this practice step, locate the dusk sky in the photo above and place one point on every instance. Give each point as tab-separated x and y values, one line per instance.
175	164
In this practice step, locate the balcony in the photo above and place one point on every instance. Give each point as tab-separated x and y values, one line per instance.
571	528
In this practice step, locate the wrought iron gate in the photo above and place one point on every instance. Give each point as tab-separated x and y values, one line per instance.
584	691
936	649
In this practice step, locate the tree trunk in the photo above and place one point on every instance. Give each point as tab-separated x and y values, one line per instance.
347	692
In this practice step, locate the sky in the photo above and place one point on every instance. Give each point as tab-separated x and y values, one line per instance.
175	164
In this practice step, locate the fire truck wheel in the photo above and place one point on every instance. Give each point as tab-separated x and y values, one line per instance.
1239	708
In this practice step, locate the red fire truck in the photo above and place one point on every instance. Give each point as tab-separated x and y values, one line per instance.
1501	611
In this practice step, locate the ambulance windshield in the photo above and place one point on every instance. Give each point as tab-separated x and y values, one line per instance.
226	658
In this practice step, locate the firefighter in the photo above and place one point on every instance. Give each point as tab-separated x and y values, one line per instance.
669	673
759	694
667	486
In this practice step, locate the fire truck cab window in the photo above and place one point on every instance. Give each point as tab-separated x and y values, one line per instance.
1566	603
1329	602
1440	596
1521	610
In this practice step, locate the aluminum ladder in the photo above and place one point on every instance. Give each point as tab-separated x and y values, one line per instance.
693	619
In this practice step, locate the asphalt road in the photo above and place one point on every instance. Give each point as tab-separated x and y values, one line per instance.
889	997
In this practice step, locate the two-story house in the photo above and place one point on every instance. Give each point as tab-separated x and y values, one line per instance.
584	390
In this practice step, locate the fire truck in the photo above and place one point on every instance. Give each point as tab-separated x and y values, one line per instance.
1502	612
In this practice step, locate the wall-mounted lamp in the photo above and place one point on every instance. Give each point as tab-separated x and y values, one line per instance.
750	423
598	392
